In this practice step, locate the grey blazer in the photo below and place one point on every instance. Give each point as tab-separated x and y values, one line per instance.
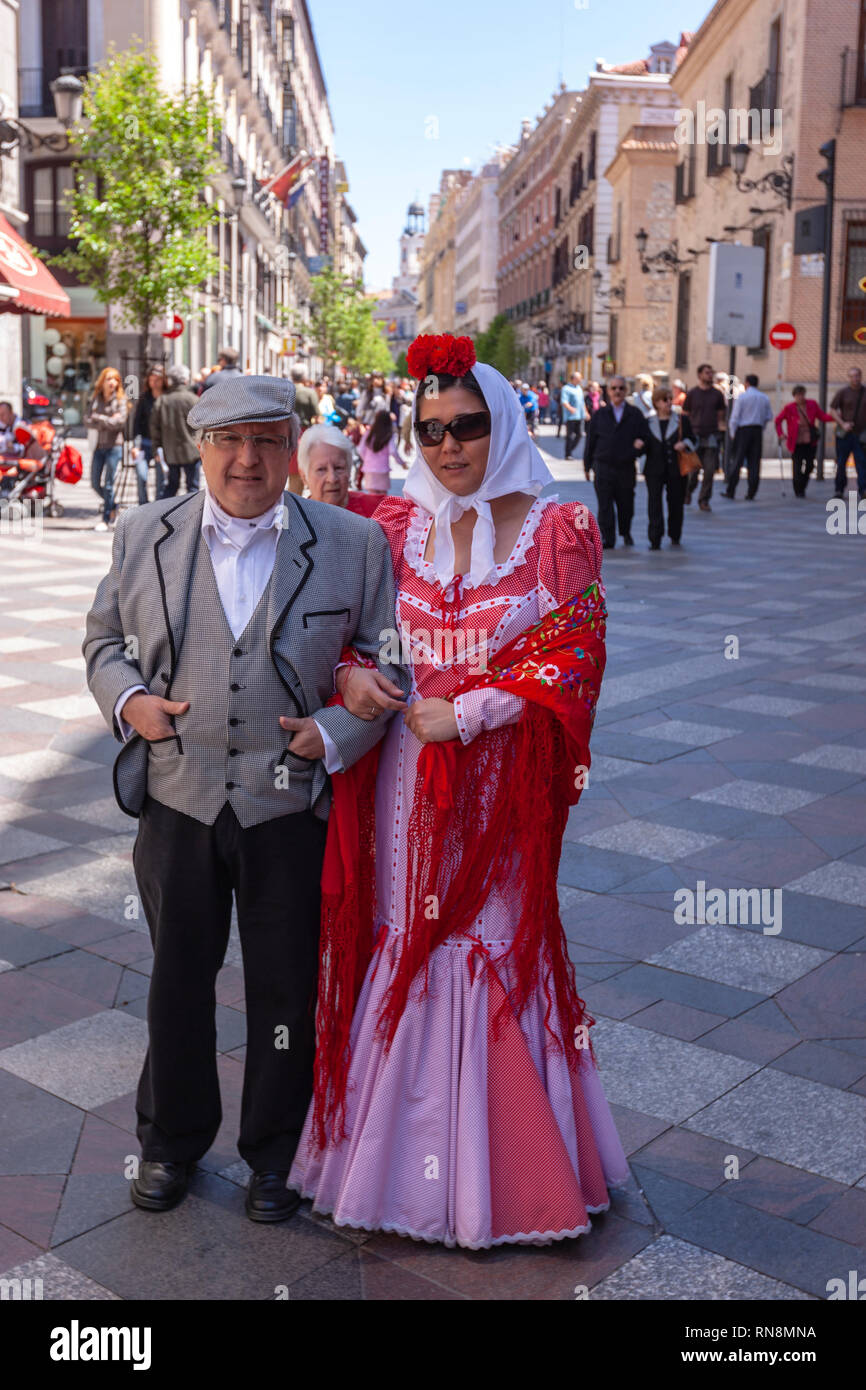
332	584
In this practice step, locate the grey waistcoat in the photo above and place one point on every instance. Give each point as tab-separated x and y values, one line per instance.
229	745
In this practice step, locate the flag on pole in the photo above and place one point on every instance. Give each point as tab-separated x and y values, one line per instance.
283	182
298	187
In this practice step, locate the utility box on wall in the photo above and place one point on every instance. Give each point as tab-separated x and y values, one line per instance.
735	297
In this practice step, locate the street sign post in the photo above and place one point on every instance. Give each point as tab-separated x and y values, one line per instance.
783	336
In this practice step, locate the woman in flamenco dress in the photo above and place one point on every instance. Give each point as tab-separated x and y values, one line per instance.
457	1097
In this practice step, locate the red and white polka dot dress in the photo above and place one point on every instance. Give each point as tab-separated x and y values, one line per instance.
454	1135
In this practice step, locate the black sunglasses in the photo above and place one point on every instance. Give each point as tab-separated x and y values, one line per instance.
461	428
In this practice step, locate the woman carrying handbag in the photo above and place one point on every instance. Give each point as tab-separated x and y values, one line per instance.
800	417
669	460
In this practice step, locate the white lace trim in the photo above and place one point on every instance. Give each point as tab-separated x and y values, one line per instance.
419	529
519	1237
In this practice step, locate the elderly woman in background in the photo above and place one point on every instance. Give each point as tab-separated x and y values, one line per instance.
665	441
325	461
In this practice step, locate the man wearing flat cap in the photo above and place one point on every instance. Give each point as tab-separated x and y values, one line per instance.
210	650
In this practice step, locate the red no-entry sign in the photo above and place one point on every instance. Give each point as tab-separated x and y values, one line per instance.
783	335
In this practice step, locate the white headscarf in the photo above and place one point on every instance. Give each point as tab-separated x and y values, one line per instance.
514	464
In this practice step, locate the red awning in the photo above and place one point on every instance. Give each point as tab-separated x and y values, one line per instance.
26	283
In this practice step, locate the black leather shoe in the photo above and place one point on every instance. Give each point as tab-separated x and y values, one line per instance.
627	540
608	545
268	1198
160	1186
656	545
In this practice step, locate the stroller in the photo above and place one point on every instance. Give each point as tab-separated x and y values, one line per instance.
46	460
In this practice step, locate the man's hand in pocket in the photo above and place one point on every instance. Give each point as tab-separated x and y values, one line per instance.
307	741
150	715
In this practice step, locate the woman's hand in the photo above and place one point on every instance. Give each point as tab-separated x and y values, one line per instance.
367	693
432	721
680	445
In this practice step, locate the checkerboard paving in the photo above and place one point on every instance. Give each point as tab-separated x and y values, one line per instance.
714	777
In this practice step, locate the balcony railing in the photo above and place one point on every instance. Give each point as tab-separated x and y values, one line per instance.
853	77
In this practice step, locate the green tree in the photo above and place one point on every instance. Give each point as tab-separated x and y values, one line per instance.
402	366
343	327
498	346
138	215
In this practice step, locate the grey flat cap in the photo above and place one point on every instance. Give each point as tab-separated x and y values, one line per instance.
240	399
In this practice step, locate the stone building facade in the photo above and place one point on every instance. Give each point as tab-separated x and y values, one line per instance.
803	63
436	312
641	305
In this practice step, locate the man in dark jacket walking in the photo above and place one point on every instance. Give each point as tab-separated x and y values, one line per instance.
170	432
614	439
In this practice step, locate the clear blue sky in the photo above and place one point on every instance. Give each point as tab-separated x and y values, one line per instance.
477	66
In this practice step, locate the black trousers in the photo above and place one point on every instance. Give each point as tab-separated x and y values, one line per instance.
673	483
746	450
802	463
572	436
614	488
190	472
187	873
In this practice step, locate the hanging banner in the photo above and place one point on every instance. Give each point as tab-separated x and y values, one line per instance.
324	190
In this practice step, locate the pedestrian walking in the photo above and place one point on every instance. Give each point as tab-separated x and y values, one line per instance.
377	448
751	411
574	414
849	411
106	413
327	407
679	393
373	399
543	403
171	433
307	411
642	396
593	399
556	407
153	389
799	419
614	439
665	442
704	408
226	367
529	405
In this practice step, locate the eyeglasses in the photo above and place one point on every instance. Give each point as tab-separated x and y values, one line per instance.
231	443
461	428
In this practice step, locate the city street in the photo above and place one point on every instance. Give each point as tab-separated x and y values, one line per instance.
729	753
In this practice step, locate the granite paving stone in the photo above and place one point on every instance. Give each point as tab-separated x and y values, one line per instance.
782	1190
644	837
768	1244
745	959
61	1283
843	882
201	1249
691	1158
844	1218
791	1119
758	796
829	1065
676	1269
87	1062
663	1076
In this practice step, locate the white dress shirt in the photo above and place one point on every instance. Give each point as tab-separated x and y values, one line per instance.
750	408
243	551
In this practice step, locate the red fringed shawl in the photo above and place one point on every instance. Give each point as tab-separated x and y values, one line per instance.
488	815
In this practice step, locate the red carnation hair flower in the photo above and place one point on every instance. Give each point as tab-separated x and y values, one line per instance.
440	354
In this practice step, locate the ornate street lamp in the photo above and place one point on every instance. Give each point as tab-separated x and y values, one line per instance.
668	259
614	292
779	181
68	94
